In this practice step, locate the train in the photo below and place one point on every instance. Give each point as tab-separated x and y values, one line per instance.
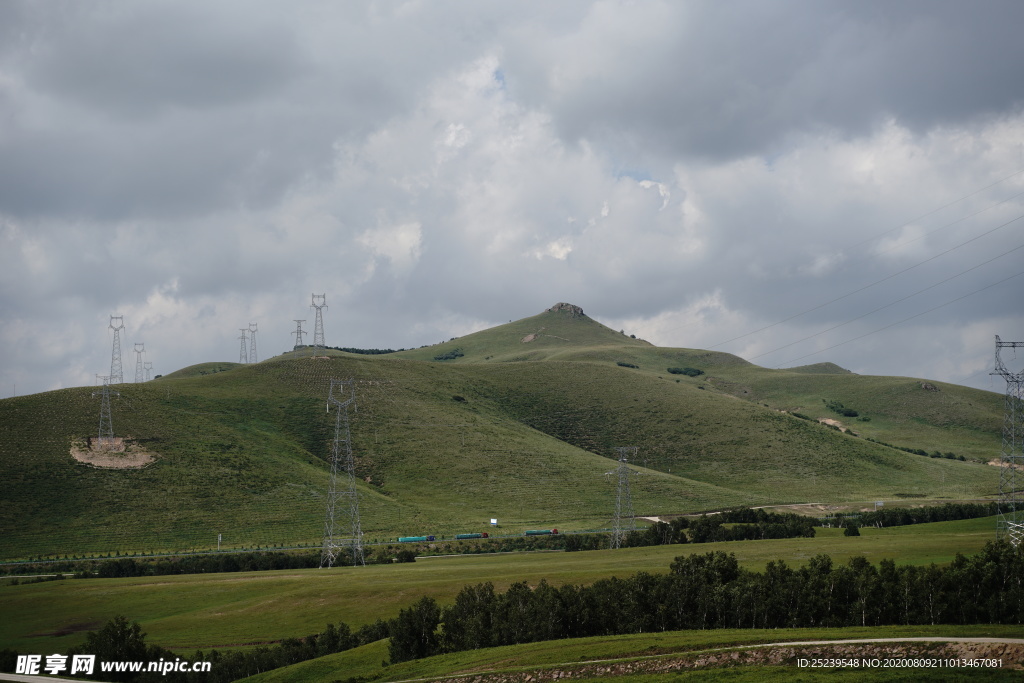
462	537
541	532
413	539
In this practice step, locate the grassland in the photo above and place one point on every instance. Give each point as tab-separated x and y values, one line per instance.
192	612
518	430
365	662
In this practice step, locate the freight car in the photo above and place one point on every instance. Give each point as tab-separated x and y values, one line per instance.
541	532
413	539
461	537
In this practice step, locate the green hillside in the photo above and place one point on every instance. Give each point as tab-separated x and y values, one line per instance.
522	426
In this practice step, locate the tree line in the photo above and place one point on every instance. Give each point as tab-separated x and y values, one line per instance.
946	512
746	524
712	591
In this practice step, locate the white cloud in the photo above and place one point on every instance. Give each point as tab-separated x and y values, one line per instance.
689	171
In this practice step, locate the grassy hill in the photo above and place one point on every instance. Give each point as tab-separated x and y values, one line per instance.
517	422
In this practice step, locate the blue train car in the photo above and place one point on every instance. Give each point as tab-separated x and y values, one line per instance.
461	537
413	539
541	532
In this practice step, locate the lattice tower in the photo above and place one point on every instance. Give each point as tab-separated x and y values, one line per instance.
139	350
252	342
624	520
243	352
147	367
342	494
106	433
318	328
116	372
298	334
1010	522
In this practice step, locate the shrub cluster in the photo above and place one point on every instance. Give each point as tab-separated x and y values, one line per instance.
450	355
623	364
840	409
920	451
690	372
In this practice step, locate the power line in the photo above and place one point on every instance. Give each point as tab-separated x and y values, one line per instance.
900	322
869	286
888	305
941	208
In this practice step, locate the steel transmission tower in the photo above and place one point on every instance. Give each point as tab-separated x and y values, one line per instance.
252	342
1010	523
106	435
342	495
624	521
147	367
243	354
116	373
298	334
318	328
139	350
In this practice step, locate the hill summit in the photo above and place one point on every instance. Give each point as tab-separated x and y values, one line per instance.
557	333
573	310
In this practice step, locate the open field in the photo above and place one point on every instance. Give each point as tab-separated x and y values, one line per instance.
365	662
192	612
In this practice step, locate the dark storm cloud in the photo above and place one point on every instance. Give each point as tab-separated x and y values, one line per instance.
729	79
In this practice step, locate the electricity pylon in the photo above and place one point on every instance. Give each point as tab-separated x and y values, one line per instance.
106	435
139	350
298	334
116	373
243	354
318	328
624	520
342	486
252	342
147	367
1010	522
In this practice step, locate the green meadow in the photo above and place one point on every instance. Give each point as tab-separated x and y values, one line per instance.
191	612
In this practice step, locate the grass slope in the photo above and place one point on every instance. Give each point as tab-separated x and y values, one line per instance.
518	430
365	663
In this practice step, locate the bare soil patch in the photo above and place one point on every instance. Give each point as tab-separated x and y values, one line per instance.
121	454
996	462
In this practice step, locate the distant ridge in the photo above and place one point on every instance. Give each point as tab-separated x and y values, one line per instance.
822	369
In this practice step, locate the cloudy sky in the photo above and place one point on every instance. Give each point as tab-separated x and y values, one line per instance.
790	181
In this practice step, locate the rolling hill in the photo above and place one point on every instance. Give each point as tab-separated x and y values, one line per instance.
518	422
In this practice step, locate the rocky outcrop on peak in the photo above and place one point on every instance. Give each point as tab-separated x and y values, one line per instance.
573	310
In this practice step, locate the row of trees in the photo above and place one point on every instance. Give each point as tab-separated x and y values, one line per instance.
712	591
744	524
938	513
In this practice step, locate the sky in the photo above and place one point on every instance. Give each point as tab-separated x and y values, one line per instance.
793	182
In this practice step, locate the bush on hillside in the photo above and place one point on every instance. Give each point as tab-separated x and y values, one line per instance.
690	372
840	409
